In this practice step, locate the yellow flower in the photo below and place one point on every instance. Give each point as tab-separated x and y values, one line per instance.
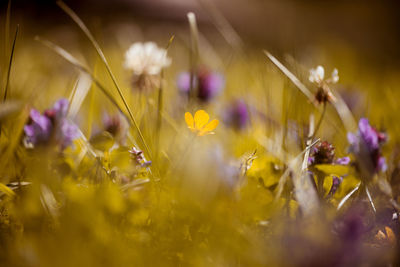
199	124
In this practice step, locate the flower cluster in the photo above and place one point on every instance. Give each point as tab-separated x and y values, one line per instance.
138	157
324	153
366	147
53	125
206	83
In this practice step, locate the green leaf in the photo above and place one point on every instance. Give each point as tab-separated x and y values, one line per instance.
102	141
120	158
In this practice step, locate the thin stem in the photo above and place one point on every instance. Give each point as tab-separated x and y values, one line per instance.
194	52
319	121
160	105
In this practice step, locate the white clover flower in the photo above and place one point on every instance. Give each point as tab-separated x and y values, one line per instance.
335	76
146	58
317	75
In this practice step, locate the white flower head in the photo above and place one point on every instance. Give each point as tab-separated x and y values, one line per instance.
146	58
317	74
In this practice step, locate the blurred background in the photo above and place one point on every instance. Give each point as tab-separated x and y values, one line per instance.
371	27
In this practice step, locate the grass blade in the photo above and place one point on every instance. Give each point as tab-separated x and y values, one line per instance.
223	25
88	34
291	167
10	64
160	103
346	197
7	28
292	77
68	57
340	106
194	51
81	89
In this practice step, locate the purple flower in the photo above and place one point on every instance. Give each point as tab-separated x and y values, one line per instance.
206	83
322	153
39	128
366	146
343	161
52	124
237	114
336	181
183	82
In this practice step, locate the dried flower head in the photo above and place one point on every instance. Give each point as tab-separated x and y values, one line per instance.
324	153
386	237
199	124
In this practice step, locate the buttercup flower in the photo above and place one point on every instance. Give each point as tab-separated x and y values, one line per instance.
317	75
199	124
146	60
207	83
52	125
366	146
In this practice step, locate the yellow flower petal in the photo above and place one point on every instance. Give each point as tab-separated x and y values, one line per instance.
189	120
200	119
209	127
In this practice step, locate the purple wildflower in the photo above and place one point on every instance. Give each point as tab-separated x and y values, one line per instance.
366	146
336	181
206	83
52	124
39	128
343	161
138	157
237	114
324	153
